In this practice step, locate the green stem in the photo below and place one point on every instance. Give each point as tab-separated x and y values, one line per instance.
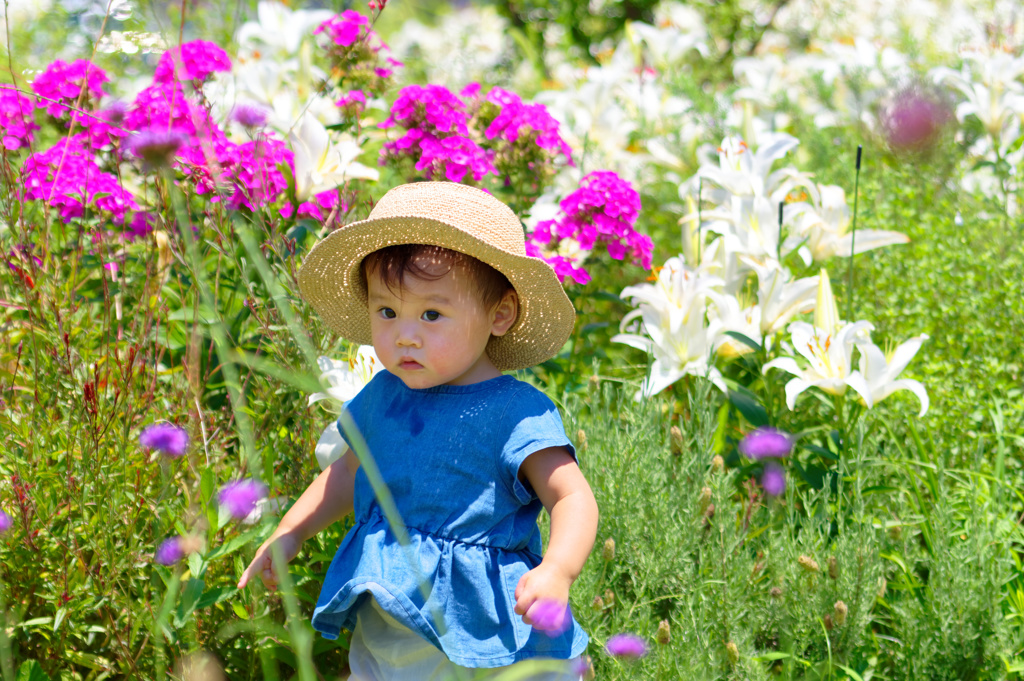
853	235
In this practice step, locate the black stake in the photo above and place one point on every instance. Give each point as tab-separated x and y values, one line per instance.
853	235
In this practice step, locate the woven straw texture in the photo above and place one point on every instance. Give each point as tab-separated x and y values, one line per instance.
453	216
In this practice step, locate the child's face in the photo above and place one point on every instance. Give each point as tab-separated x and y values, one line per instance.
435	332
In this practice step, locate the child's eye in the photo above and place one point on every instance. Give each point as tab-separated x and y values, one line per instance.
387	313
431	315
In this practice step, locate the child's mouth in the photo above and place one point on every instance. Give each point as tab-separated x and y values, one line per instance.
410	365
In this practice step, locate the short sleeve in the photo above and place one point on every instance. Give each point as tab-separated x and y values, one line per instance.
533	423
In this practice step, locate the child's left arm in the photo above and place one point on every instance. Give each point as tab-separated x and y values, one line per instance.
564	491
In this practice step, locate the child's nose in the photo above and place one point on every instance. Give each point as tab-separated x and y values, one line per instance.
407	336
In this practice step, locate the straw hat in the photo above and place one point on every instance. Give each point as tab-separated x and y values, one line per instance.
453	216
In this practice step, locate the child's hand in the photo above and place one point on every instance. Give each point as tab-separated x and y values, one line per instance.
542	598
262	562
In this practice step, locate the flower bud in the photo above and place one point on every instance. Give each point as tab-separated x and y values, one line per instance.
598	604
676	440
828	623
581	439
732	652
609	598
776	592
882	585
664	634
717	464
704	500
839	612
833	567
594	381
608	550
896	532
808	563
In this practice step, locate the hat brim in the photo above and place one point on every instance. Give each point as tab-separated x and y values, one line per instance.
332	281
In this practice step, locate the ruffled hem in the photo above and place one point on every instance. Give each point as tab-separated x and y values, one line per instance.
470	589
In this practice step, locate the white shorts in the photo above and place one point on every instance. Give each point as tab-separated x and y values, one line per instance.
382	649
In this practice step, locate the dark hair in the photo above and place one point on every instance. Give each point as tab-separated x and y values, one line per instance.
393	263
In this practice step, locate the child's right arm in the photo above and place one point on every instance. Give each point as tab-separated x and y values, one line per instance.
326	500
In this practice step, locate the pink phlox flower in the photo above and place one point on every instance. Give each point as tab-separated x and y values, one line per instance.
141	224
517	119
604	209
434	108
257	177
16	118
763	443
68	177
240	497
209	160
191	61
454	155
164	105
626	645
318	208
166	438
564	267
62	84
104	126
550	616
353	103
5	521
346	28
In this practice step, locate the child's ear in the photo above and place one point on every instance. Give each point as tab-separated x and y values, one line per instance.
505	313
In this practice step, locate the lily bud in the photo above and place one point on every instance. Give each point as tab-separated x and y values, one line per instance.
598	604
664	634
608	550
839	612
808	564
717	464
676	440
826	314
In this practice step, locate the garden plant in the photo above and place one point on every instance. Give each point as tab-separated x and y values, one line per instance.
792	233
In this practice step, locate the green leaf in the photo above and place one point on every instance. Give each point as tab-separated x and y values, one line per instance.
189	600
240	611
746	340
851	673
232	545
748	405
771	657
207	485
31	671
215	595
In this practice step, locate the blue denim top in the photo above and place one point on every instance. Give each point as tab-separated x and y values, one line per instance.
450	456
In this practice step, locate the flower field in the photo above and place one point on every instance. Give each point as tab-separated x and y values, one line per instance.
791	231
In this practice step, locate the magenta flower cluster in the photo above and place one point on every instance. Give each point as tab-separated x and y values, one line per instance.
16	121
61	85
551	617
166	438
517	120
68	177
766	443
5	521
170	551
346	28
604	211
240	497
191	61
626	645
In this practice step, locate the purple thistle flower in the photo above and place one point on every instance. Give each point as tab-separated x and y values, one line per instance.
550	616
240	498
773	480
250	115
914	118
626	645
766	443
166	438
5	521
170	551
156	147
580	666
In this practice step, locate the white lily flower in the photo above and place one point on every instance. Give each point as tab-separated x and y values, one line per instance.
829	358
881	369
344	380
825	227
742	171
991	89
779	298
278	30
321	165
674	328
733	316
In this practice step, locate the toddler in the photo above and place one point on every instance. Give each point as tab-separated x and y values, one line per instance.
438	280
